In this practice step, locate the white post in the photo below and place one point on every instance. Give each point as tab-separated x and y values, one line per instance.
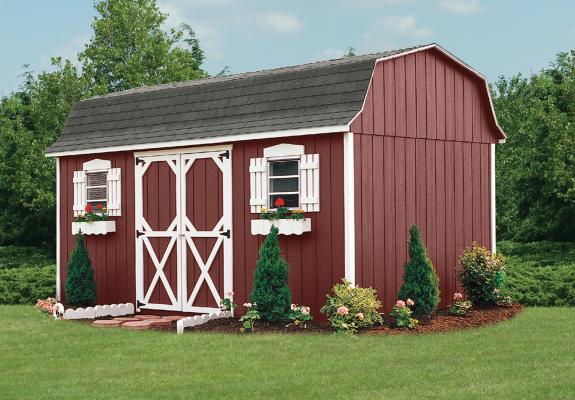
349	207
493	221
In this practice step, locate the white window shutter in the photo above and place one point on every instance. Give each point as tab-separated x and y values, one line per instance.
309	182
258	184
79	192
114	192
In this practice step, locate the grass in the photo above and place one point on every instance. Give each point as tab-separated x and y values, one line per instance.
540	273
529	357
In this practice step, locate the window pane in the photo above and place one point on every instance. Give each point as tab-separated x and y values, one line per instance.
279	168
96	179
291	200
284	185
97	193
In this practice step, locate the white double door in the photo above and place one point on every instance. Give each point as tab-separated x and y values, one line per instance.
183	208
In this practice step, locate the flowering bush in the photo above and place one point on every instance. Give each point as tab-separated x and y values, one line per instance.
46	306
401	314
227	303
249	319
92	214
459	307
350	308
281	212
299	316
481	273
503	301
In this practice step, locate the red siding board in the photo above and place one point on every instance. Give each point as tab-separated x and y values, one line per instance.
389	98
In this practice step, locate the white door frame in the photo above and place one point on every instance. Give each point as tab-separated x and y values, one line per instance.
182	232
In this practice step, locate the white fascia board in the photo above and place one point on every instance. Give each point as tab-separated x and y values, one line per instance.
452	57
205	141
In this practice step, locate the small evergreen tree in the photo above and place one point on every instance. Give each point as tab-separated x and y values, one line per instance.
271	292
420	281
80	285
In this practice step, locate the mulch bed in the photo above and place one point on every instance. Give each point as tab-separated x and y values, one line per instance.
441	322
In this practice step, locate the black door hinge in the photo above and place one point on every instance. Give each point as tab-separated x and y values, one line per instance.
139	304
225	154
139	233
226	233
139	161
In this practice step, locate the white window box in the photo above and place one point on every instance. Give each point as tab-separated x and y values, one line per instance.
94	228
285	226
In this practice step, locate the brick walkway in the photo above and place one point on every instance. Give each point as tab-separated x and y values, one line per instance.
138	322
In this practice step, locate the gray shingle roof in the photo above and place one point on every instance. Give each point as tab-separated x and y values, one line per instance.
322	94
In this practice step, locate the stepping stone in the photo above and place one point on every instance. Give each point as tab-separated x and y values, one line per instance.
125	319
106	323
160	323
139	325
144	317
173	317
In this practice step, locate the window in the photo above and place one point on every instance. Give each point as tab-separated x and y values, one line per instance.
284	182
97	188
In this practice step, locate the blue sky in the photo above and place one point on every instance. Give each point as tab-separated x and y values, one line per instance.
495	37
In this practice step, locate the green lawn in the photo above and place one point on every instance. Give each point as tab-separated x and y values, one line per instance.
530	357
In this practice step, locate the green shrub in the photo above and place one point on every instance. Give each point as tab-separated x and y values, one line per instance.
481	273
271	292
540	273
28	284
80	285
351	307
420	281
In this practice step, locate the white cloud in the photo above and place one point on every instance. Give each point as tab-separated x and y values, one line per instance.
281	23
405	25
463	7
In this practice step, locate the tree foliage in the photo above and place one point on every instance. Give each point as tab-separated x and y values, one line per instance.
128	49
420	281
536	167
80	284
271	292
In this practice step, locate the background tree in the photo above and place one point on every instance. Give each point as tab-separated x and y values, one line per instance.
128	49
80	284
420	281
536	167
271	292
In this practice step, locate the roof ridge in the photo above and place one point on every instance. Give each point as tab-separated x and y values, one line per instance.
251	74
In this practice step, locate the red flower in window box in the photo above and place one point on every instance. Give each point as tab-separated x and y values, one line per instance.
99	205
279	202
88	208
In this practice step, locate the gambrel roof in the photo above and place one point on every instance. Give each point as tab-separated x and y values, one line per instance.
323	95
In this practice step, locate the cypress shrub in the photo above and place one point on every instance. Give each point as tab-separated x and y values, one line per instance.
80	285
271	293
420	281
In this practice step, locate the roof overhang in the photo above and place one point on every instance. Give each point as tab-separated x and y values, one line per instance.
205	141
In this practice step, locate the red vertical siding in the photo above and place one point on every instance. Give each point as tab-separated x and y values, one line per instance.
438	177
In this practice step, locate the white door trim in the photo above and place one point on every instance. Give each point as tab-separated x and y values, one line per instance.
181	231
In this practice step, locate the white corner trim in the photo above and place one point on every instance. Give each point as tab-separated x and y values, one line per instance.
205	141
58	283
97	165
450	56
492	200
284	150
349	207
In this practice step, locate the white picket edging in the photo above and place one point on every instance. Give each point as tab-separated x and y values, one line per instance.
108	310
196	320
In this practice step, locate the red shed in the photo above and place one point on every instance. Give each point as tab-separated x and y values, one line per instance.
366	146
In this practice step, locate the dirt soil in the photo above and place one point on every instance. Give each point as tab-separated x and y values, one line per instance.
441	322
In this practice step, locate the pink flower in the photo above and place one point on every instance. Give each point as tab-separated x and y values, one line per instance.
305	310
400	303
457	296
360	316
247	305
343	310
294	307
409	302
